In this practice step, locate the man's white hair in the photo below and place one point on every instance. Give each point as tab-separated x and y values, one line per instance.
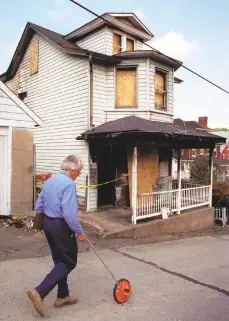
72	162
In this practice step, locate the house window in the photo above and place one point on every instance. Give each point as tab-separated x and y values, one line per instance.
126	83
34	48
222	156
129	44
182	166
202	152
193	152
160	90
215	153
117	43
182	152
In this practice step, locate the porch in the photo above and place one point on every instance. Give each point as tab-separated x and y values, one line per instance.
143	149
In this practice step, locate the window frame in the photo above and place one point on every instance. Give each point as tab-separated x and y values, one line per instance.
166	77
126	67
193	155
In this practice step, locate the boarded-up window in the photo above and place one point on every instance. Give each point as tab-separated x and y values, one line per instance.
129	45
34	48
160	90
126	87
117	43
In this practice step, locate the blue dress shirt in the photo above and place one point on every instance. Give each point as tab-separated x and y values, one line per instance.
58	198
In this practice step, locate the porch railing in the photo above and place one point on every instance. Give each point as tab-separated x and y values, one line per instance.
151	204
184	185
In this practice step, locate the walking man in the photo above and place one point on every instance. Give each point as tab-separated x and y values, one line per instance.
58	201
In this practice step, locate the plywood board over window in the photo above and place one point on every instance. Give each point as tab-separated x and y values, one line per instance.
147	169
126	82
160	90
117	43
34	55
129	44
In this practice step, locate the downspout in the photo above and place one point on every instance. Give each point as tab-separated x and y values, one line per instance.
91	92
90	124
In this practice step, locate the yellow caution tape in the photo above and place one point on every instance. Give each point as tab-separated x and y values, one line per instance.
96	185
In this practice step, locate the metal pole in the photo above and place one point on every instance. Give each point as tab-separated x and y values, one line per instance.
94	249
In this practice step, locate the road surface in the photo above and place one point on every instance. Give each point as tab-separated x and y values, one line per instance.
182	280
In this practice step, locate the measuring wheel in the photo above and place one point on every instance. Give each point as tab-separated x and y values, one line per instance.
122	291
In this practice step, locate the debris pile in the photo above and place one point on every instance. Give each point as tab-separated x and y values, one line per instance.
26	222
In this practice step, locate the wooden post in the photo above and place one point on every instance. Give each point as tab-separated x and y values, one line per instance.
179	181
211	150
134	184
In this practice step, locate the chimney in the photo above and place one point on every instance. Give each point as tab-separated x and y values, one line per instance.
203	121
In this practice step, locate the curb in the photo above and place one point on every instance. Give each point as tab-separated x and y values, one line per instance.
93	227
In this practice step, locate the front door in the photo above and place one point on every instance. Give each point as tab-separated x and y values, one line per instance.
3	172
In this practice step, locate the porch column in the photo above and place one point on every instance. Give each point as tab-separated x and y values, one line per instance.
179	181
134	184
211	150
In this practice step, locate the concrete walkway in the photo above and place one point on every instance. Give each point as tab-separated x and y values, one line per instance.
182	280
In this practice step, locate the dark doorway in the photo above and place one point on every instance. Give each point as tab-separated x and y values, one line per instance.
106	173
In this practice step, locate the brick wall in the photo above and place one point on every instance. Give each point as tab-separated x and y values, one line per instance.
22	172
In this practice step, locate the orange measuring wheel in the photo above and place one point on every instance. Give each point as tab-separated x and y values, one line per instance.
122	291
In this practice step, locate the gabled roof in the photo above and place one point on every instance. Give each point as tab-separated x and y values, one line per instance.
153	54
127	22
56	39
133	124
18	103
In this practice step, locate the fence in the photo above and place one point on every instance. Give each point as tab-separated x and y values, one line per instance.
151	204
221	215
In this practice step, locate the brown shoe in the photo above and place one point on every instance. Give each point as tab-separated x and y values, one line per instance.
37	301
65	301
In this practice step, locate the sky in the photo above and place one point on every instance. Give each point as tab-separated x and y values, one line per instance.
193	31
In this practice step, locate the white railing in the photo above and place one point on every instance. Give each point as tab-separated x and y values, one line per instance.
184	185
221	215
195	196
151	204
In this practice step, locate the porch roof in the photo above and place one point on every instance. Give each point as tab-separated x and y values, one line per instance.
134	125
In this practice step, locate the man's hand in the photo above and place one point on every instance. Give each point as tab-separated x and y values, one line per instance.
81	237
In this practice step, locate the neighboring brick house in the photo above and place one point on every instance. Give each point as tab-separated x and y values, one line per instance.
17	154
99	75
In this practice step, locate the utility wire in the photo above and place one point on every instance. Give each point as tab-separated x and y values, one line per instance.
146	44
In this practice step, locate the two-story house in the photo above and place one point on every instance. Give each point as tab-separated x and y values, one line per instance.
98	85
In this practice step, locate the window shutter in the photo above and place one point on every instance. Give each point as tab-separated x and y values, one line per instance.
117	40
34	47
126	88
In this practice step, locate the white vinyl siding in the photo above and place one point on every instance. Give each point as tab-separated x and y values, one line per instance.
99	41
58	94
11	114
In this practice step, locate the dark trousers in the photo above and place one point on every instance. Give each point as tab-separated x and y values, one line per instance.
63	245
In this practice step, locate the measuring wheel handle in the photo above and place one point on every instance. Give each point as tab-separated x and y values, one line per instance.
122	291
